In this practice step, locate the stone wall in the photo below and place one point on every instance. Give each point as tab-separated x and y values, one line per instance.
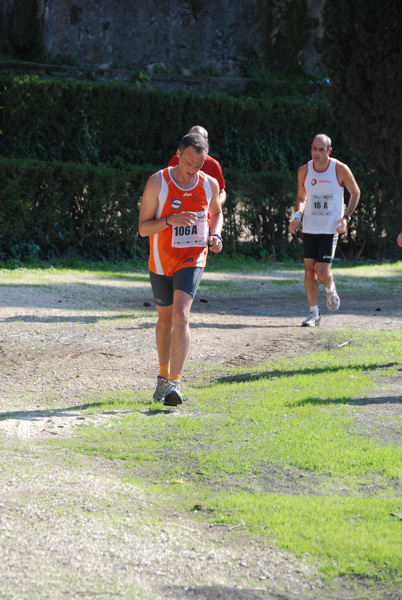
187	36
181	35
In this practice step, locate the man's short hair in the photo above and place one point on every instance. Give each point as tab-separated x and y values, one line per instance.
327	139
199	129
197	141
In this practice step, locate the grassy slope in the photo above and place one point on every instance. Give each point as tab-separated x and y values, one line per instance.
276	446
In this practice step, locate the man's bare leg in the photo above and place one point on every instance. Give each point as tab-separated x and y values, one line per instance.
163	338
313	273
324	274
179	335
310	281
164	329
180	340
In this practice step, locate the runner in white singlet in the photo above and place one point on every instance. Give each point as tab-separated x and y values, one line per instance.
320	203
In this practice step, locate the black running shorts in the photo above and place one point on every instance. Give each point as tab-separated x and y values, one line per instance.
320	246
186	280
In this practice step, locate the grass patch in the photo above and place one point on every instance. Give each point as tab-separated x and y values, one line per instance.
349	535
276	446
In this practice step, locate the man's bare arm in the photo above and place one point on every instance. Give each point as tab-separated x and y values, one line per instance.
148	225
347	179
301	199
215	212
222	197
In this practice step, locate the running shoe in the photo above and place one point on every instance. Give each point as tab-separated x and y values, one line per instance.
161	387
173	396
313	320
333	300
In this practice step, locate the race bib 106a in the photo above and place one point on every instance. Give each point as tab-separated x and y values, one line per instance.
187	236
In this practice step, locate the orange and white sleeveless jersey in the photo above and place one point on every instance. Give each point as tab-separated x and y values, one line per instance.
178	247
324	206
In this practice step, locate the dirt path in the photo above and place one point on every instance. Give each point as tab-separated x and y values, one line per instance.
70	527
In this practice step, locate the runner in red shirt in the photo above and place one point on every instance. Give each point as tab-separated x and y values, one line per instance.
211	166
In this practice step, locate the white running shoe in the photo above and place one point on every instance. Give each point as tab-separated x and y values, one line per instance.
313	320
173	396
160	391
333	300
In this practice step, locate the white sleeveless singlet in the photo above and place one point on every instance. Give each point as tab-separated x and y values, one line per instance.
324	206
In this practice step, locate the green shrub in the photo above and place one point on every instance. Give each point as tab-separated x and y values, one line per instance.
92	123
95	144
56	209
260	205
53	210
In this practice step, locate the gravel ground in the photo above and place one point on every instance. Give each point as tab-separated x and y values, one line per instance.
70	525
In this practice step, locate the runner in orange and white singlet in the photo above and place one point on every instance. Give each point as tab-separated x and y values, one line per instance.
181	214
181	246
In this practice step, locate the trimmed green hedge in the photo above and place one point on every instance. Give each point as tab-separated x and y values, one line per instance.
112	123
76	157
260	206
54	209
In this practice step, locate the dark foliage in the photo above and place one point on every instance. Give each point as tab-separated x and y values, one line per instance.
362	52
92	123
76	157
55	209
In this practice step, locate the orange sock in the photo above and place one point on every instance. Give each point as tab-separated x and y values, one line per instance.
164	371
172	377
